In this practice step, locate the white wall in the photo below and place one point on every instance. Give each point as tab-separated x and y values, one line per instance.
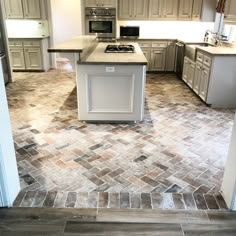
229	181
66	19
188	30
9	173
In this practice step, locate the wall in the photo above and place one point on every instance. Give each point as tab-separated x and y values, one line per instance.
189	30
66	19
229	180
9	172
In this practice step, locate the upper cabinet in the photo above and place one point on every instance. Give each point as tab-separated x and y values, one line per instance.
185	9
230	11
133	9
197	9
163	9
100	3
168	9
24	9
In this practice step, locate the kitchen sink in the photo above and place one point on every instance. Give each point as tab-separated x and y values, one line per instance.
191	49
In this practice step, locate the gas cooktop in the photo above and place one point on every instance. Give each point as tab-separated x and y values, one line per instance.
119	48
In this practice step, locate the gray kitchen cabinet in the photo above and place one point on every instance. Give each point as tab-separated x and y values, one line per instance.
185	9
24	9
230	11
29	54
158	58
163	9
100	3
33	58
31	9
197	9
202	75
17	58
14	9
133	9
188	72
147	54
170	56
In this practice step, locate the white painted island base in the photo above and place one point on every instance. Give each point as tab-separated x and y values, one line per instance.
111	92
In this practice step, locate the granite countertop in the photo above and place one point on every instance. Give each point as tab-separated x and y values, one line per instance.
98	56
75	45
29	37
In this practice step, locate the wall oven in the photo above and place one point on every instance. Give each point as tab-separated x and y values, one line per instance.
101	22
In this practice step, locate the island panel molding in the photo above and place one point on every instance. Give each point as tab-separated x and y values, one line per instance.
106	96
120	100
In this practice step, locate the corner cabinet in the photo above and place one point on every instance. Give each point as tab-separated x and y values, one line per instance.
100	3
230	11
25	9
29	54
133	9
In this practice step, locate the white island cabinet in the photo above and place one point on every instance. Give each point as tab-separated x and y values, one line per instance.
111	85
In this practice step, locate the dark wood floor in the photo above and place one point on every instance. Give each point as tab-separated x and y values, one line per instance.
68	222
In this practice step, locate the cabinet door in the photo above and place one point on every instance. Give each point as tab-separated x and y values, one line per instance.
32	9
197	9
126	9
203	89
17	58
14	9
197	77
155	9
230	11
170	56
185	70
147	54
158	58
140	9
185	9
91	3
170	9
191	72
107	3
33	59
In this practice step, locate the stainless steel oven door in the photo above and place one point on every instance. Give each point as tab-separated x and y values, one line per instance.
103	27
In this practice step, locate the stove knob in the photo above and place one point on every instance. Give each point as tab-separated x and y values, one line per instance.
93	12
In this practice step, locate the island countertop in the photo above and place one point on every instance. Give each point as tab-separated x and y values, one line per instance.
99	57
75	45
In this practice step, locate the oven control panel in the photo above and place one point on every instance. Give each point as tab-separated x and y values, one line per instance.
98	11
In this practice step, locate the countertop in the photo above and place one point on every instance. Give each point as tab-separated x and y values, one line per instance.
98	56
75	45
220	50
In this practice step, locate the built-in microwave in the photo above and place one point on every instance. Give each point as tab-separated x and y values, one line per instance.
129	31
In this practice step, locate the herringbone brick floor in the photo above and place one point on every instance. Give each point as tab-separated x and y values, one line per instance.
181	145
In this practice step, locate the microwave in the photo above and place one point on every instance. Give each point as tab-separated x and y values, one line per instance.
129	31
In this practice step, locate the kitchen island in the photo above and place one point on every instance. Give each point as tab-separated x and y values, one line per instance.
111	86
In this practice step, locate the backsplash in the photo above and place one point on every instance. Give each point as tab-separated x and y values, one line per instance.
27	28
188	30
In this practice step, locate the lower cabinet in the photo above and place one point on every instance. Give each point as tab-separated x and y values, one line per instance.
188	72
160	55
202	75
29	54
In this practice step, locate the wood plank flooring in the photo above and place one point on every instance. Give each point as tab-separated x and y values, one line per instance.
115	222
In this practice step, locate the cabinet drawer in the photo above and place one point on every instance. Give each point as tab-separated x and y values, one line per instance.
145	44
31	43
15	43
199	57
207	61
159	44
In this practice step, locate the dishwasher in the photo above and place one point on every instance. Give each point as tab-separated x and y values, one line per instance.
180	51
